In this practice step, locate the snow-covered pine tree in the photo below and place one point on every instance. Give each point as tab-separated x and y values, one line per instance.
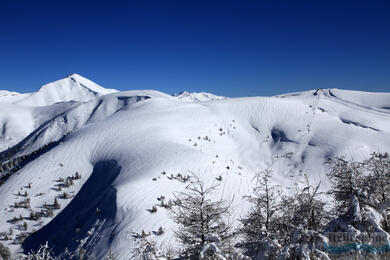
260	227
198	217
303	218
377	184
145	249
366	201
347	181
304	207
56	205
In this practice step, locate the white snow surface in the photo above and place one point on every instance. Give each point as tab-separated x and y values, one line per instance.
11	96
121	142
197	96
20	114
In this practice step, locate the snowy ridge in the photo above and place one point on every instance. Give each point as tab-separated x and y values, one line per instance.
197	96
72	88
128	147
11	96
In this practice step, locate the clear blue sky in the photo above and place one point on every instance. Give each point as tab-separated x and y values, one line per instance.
231	48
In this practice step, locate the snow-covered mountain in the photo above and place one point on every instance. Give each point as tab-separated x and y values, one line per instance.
129	148
72	88
20	114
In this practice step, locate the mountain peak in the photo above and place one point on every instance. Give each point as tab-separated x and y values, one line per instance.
71	88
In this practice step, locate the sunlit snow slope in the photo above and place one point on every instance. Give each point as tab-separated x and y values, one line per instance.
129	147
20	114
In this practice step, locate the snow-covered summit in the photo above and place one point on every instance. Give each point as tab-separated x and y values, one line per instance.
20	114
72	88
197	96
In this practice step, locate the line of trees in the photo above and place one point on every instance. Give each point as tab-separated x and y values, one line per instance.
9	164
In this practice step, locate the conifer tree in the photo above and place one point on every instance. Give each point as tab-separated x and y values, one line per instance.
198	217
260	227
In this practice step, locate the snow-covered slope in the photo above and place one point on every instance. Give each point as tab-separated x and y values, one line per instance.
16	122
11	96
129	147
197	96
20	114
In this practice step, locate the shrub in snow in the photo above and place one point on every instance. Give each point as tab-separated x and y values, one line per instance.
160	231
22	204
304	244
164	204
212	250
153	209
69	182
4	252
35	215
65	195
56	205
146	250
43	253
77	176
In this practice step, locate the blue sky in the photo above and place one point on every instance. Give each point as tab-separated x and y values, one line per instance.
230	48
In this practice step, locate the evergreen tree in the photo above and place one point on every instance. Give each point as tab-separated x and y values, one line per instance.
347	181
260	227
304	207
364	205
199	217
145	249
56	205
302	221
